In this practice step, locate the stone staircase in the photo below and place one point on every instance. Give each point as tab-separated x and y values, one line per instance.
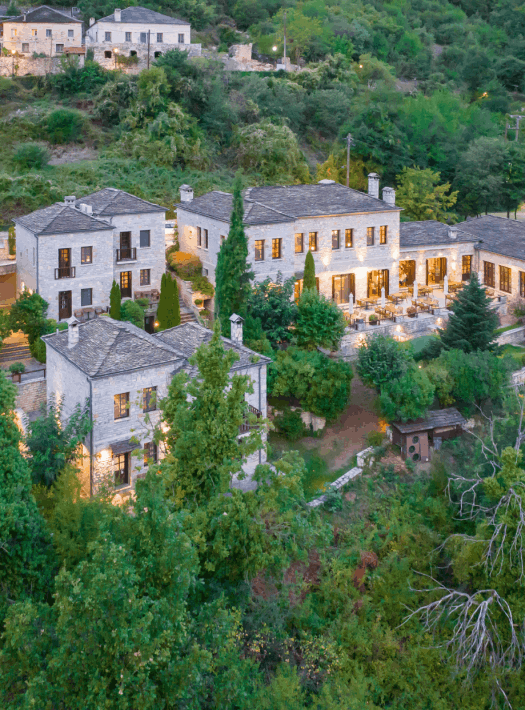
187	318
13	352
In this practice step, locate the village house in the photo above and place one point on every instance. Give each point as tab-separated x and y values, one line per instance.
43	30
124	372
137	32
71	252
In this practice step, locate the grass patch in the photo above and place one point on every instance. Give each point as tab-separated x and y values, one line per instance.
419	343
516	352
499	331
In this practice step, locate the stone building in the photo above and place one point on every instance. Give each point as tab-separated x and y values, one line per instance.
137	32
71	252
43	30
124	372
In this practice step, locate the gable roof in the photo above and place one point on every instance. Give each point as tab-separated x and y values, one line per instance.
143	15
434	419
273	204
60	219
110	201
44	14
429	233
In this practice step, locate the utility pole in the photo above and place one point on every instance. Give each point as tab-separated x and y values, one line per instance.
516	128
284	58
149	35
348	144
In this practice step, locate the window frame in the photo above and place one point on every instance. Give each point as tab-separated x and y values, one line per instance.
522	283
506	280
70	34
179	39
149	457
49	33
299	241
121	406
490	271
84	251
336	234
142	277
34	32
129	278
144	232
383	234
128	37
349	233
148	394
199	236
107	36
277	248
160	34
312	239
345	286
259	250
25	47
123	465
206	238
370	236
82	292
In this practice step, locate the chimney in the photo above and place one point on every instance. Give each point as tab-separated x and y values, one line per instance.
91	21
116	15
236	328
72	332
373	185
86	209
452	232
389	196
186	193
25	17
70	200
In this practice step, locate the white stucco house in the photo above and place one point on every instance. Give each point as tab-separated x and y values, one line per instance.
71	252
124	372
42	30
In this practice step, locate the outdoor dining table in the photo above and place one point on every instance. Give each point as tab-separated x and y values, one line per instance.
455	286
425	290
398	296
367	302
426	303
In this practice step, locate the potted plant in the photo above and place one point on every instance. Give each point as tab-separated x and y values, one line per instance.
16	370
373	319
198	301
412	312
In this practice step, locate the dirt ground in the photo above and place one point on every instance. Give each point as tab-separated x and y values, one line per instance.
71	154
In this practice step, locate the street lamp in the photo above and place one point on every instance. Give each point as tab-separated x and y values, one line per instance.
274	48
115	52
13	52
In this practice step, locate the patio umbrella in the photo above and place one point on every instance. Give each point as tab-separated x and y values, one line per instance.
445	285
415	290
351	304
382	296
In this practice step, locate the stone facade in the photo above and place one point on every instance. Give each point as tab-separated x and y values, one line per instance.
452	253
31	395
24	65
42	37
516	266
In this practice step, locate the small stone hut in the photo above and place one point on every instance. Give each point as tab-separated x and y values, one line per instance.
416	437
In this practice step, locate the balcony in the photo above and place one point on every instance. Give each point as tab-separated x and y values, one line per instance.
129	254
65	272
246	426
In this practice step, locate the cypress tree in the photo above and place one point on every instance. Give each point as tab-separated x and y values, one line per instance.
472	322
233	273
162	308
115	300
175	304
309	272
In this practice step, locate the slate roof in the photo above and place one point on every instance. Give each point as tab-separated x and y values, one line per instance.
144	16
429	233
110	201
268	205
60	219
434	419
189	336
44	14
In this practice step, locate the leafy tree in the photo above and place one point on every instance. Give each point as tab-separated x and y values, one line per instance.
168	312
319	322
74	79
331	169
53	443
471	324
115	300
271	302
25	559
28	314
443	383
408	397
421	196
477	376
321	384
132	312
480	175
233	273
309	281
382	359
514	177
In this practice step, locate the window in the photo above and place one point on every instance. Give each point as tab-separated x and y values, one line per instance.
276	248
34	33
159	37
128	36
144	237
259	250
86	255
49	33
59	48
436	271
349	238
64	258
466	267
299	243
25	47
378	280
125	284
298	288
145	277
407	273
121	469
86	297
108	36
383	234
149	399
143	37
132	53
70	34
157	55
121	406
13	33
504	279
107	54
199	237
312	241
205	238
522	284
488	274
335	239
342	287
181	39
370	235
150	453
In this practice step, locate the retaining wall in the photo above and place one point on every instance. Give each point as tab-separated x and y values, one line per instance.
23	66
31	395
517	335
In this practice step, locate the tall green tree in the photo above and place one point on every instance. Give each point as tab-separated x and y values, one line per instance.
115	300
233	273
272	303
168	311
422	197
381	359
408	397
471	324
309	281
319	322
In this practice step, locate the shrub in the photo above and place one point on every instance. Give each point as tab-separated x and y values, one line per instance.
476	376
290	424
171	250
185	265
198	301
408	397
132	312
382	359
17	367
31	155
206	314
38	350
374	438
64	126
319	321
11	241
202	284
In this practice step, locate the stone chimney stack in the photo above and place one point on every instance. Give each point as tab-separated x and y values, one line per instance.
72	332
452	232
373	185
116	15
91	21
86	209
70	200
389	196
236	328
186	193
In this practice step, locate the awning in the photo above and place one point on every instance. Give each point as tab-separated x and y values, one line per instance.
124	447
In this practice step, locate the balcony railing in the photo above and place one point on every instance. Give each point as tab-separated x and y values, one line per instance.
127	254
65	272
246	425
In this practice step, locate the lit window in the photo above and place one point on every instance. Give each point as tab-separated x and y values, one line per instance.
299	243
504	279
145	277
488	274
149	399
382	235
150	453
335	239
121	405
34	33
370	236
86	255
276	248
522	284
312	241
349	238
199	237
466	266
121	469
259	250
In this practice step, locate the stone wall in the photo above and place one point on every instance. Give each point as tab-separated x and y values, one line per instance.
141	50
24	65
31	395
16	34
517	335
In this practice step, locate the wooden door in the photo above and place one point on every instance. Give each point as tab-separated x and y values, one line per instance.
125	284
64	305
